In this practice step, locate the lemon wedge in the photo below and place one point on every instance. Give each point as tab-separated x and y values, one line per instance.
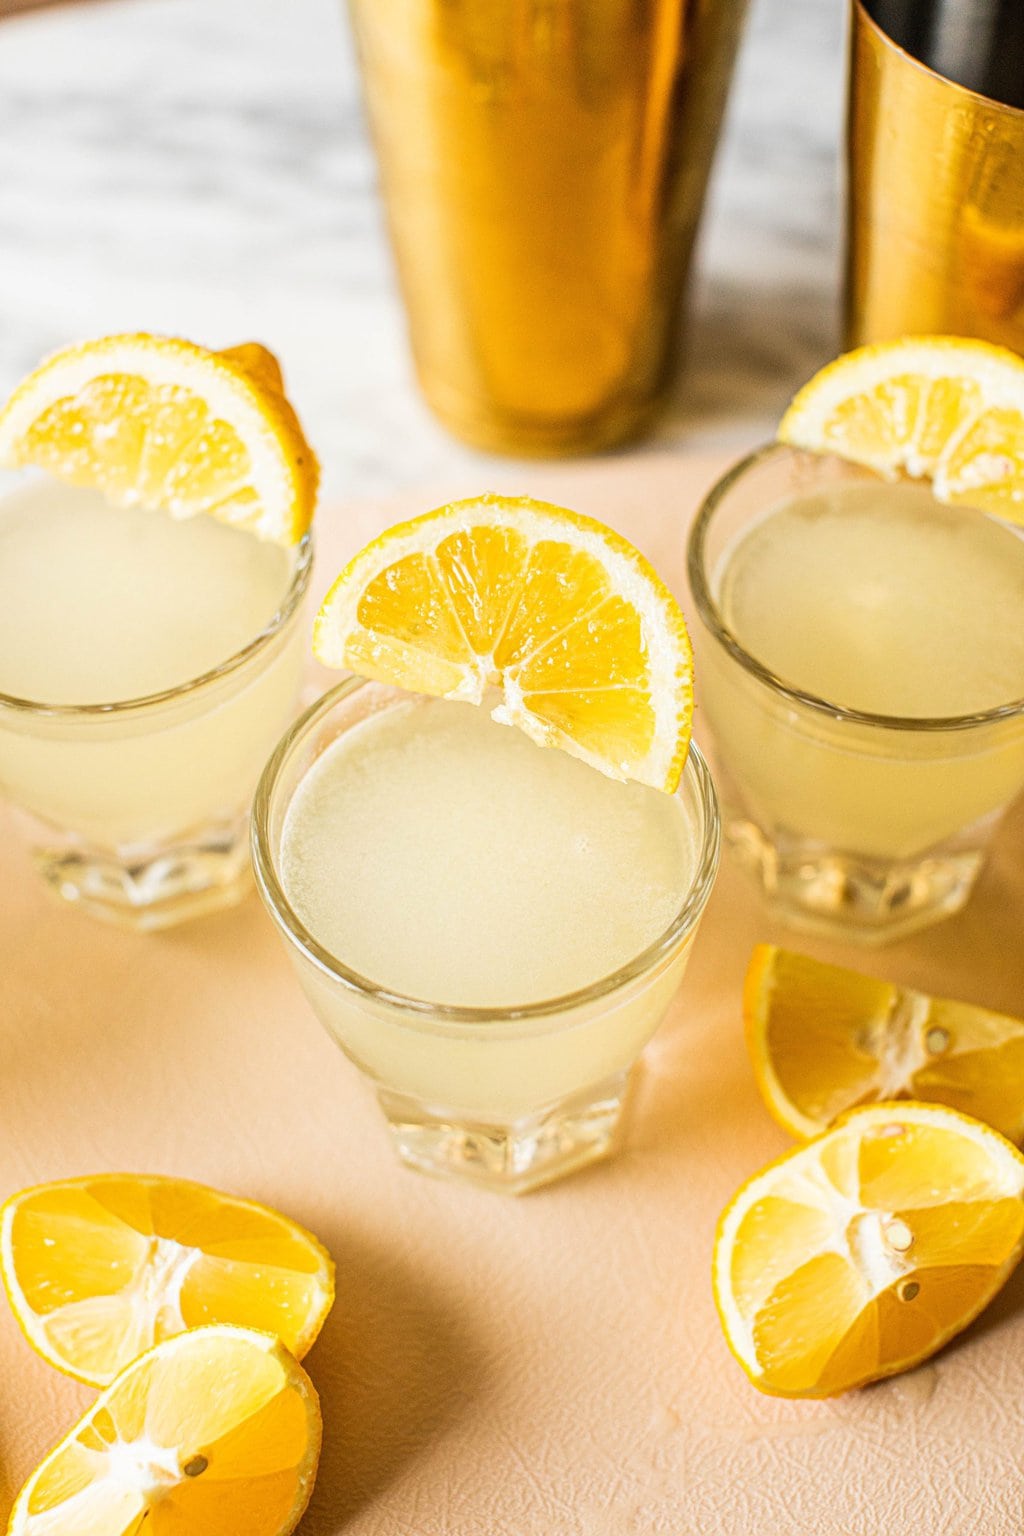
99	1269
940	408
587	646
212	1433
160	422
862	1252
824	1039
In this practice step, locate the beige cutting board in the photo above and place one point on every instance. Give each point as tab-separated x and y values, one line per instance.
546	1367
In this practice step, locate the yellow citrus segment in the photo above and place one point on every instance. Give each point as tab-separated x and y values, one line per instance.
159	422
212	1433
100	1269
937	407
586	644
823	1039
862	1252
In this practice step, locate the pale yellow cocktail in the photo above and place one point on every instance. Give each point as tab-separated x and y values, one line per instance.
863	672
147	666
154	552
492	930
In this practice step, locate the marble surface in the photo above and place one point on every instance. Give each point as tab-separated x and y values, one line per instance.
201	167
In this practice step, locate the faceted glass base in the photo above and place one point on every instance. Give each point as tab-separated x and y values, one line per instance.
511	1158
851	896
150	887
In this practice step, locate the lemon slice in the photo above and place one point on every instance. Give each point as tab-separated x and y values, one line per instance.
587	645
213	1433
99	1269
158	422
824	1039
935	407
860	1253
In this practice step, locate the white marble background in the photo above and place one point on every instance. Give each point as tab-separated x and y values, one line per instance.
200	167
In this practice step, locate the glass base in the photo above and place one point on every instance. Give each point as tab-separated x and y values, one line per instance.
510	1159
146	888
851	896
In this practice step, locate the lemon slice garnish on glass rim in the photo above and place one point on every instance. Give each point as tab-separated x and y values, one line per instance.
159	422
862	1252
99	1269
585	643
941	408
212	1433
824	1039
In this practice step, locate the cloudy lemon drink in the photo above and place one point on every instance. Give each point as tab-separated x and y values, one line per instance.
857	592
149	653
491	927
396	855
864	677
105	605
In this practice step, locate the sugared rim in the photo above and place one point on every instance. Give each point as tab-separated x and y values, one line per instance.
714	622
293	596
454	1019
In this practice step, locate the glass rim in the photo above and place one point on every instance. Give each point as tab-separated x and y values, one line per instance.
293	596
714	621
990	103
454	1018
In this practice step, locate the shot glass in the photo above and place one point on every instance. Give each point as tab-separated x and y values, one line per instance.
856	825
505	1098
137	811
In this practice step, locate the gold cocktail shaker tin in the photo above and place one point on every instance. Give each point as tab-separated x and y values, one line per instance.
935	192
543	165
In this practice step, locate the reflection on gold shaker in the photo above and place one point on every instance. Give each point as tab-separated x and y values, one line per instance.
543	164
935	235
